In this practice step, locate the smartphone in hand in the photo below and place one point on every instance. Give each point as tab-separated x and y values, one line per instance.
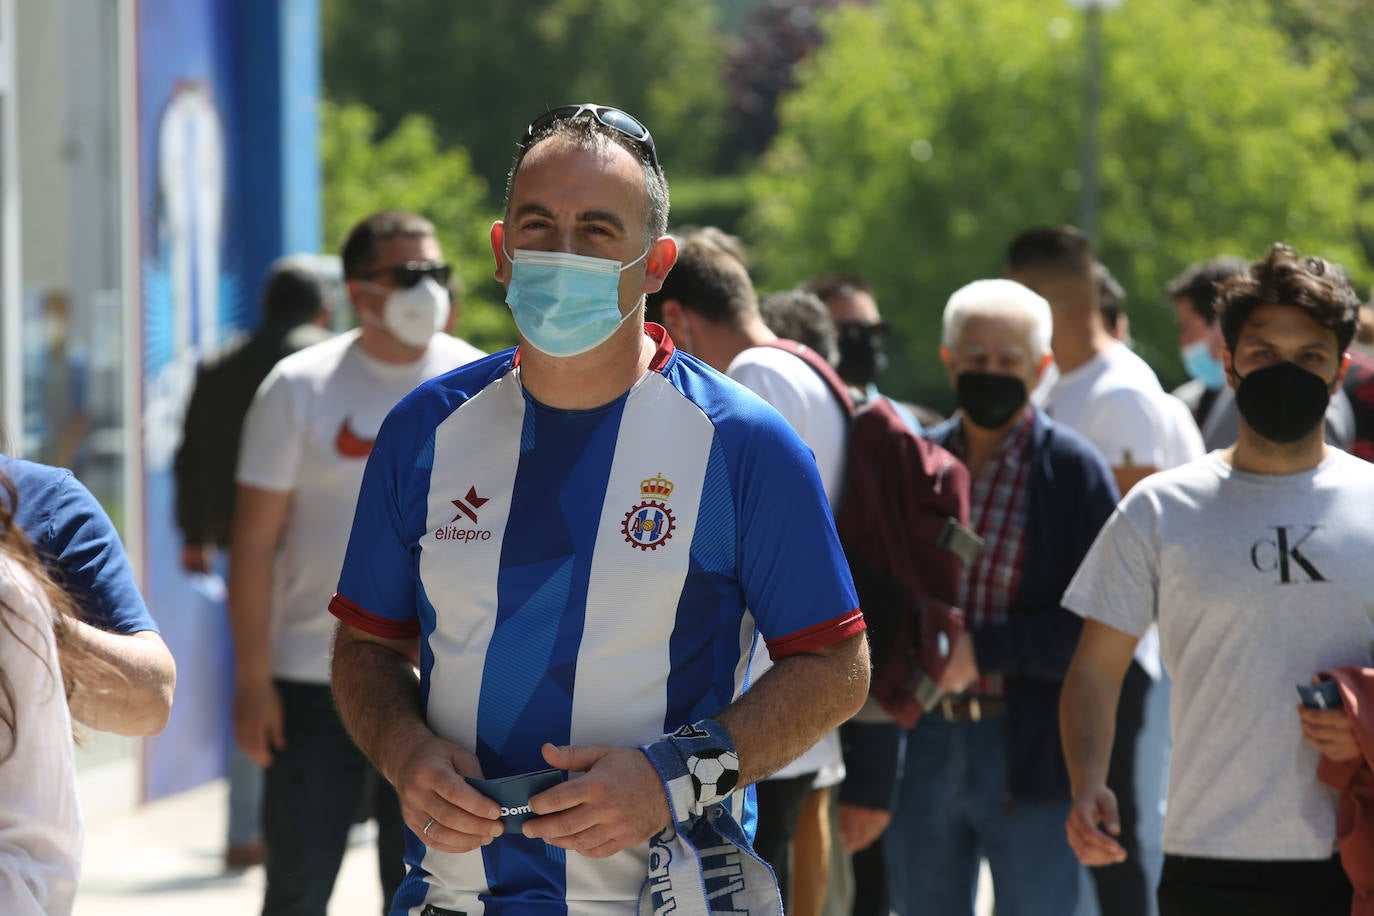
1322	695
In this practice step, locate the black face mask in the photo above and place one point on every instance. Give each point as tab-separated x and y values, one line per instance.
1283	402
861	352
990	399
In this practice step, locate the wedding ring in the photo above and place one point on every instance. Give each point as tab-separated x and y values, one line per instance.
428	824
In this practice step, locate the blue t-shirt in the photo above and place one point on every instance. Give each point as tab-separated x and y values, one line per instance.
78	542
584	577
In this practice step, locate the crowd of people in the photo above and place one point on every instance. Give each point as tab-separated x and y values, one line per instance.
595	644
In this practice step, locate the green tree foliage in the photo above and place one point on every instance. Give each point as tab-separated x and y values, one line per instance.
1343	27
483	70
925	135
409	170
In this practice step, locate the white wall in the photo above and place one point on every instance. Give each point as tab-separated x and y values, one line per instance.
41	81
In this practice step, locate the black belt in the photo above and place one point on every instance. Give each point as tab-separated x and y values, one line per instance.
969	709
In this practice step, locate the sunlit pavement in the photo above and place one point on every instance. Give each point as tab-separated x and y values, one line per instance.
167	859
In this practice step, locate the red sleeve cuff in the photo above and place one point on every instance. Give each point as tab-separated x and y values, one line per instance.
355	616
819	636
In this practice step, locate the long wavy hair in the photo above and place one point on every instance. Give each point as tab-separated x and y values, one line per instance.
76	663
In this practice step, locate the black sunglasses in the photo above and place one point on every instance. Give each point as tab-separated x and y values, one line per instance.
861	329
412	272
613	118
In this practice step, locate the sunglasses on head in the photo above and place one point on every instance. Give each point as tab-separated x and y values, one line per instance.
412	272
613	118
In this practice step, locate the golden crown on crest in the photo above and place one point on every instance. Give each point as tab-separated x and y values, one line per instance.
658	487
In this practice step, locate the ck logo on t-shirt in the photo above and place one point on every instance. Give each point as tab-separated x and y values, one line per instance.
1283	552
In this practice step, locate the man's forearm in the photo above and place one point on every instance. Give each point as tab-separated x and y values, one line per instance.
1087	725
129	689
250	610
794	704
377	693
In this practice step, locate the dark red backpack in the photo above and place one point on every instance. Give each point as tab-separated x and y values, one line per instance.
903	523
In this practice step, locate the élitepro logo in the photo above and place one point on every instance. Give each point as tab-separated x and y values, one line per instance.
467	508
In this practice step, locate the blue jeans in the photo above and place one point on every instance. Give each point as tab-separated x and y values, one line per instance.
312	791
245	799
953	809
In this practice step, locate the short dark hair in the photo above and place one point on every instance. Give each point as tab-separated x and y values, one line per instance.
709	277
1283	277
1199	282
360	245
799	315
1111	297
1062	249
590	134
293	295
835	286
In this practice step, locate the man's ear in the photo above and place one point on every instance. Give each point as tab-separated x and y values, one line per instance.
660	259
948	359
1228	363
366	309
1039	372
1340	373
677	319
498	242
671	313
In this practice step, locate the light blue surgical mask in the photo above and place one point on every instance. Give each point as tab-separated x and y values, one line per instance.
565	304
1200	364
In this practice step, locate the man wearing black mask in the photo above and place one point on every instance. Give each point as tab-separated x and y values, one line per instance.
984	775
1253	562
860	334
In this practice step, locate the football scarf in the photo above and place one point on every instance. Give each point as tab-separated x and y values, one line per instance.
702	863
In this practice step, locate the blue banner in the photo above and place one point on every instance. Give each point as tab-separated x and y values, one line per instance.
228	181
193	300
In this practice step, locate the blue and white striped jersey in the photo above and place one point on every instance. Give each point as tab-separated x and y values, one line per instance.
583	577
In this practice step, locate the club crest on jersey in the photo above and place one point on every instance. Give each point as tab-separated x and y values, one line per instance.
650	524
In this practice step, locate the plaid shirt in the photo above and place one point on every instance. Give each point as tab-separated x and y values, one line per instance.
997	512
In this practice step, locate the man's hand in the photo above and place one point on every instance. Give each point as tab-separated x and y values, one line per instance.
860	826
616	803
1330	732
1096	805
258	721
197	558
443	809
962	669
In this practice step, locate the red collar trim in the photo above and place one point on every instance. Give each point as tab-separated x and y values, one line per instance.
659	335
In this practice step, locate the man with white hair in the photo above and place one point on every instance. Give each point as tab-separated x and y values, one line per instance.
984	774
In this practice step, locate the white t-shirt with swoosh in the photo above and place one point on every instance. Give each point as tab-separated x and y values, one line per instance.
309	433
